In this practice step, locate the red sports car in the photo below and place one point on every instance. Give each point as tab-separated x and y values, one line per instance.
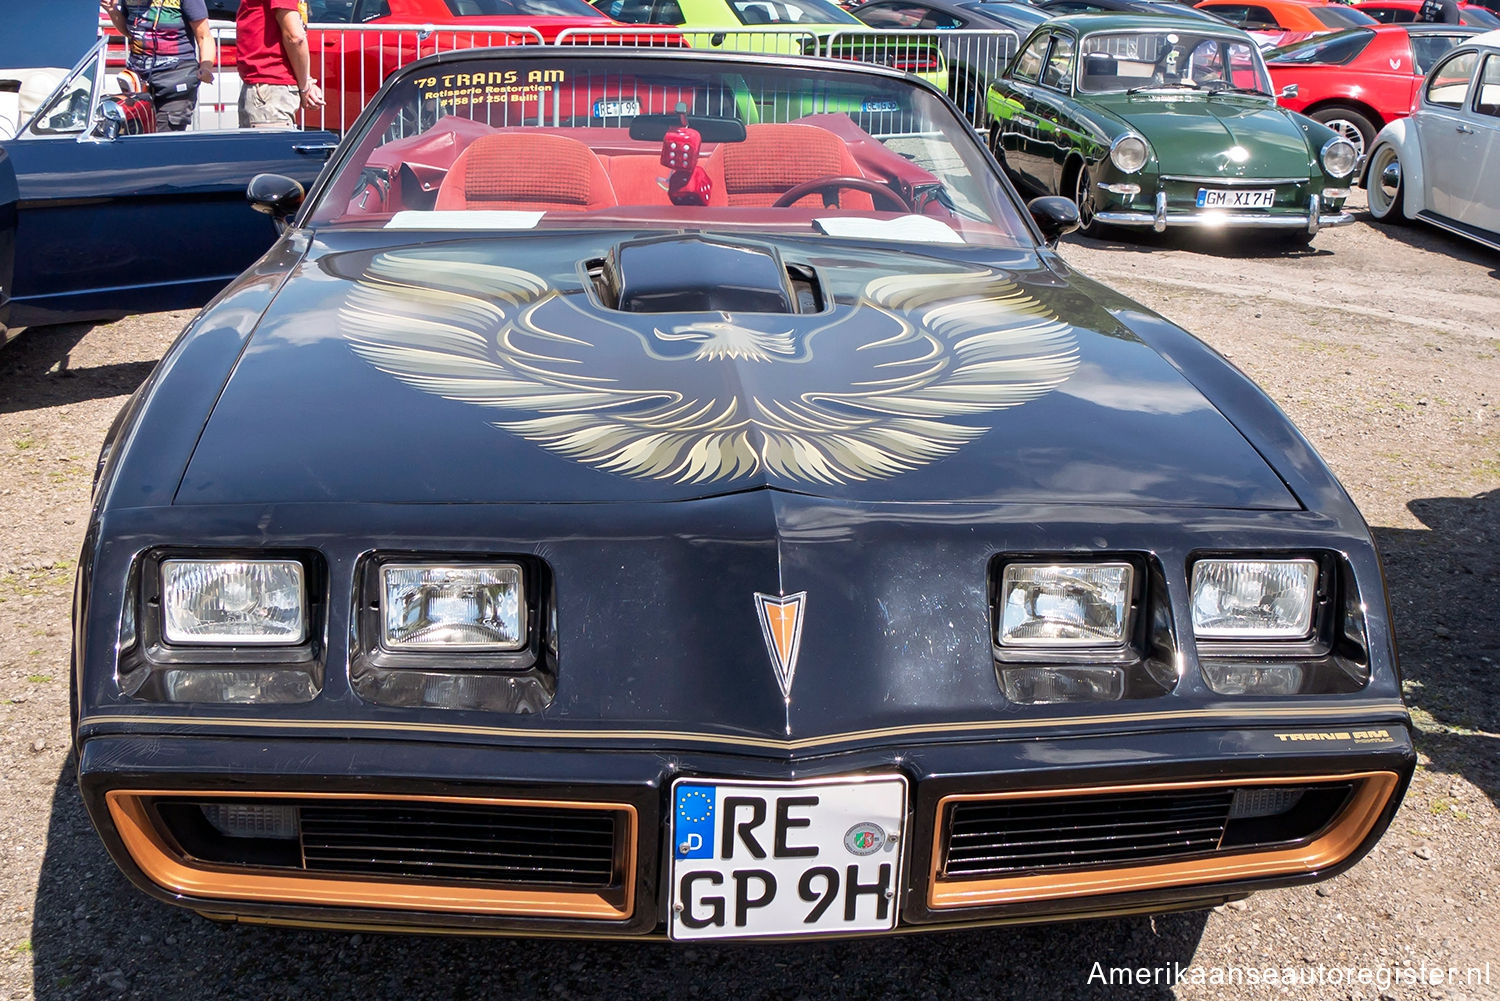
1282	22
1405	12
1356	81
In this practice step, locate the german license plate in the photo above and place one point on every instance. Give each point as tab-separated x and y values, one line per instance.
786	858
616	109
1233	198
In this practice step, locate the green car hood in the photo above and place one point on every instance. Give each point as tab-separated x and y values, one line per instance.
1195	134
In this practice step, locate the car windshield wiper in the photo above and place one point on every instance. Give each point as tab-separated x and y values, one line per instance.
1179	85
1231	89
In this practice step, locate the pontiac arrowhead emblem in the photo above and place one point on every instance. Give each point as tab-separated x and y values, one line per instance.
781	626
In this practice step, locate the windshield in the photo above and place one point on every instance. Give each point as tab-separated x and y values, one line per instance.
1332	50
1128	61
1342	17
68	109
521	8
517	141
1481	17
790	12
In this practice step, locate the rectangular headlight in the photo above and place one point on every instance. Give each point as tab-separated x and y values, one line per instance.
1253	599
1074	605
427	607
233	602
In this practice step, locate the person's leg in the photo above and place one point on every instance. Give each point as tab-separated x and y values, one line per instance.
268	105
287	102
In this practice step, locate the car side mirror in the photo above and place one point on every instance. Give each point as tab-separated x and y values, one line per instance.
276	195
1055	216
109	120
1290	90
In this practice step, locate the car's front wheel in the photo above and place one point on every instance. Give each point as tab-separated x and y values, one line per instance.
1386	185
1349	123
1087	201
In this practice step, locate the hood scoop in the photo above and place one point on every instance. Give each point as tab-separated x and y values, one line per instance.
680	274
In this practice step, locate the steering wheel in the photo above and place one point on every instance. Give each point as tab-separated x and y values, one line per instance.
832	182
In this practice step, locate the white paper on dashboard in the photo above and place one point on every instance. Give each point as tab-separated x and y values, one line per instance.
464	219
912	228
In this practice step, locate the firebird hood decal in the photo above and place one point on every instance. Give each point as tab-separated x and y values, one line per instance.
482	371
923	360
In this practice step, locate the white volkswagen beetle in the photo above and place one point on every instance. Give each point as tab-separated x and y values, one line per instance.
1442	163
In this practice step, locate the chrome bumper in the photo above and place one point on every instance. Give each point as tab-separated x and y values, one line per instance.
1314	220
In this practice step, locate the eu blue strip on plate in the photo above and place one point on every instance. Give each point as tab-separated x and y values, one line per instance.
693	821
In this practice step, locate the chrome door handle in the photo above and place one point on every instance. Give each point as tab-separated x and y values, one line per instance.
1465	130
315	149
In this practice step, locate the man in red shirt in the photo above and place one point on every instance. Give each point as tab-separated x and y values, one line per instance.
271	49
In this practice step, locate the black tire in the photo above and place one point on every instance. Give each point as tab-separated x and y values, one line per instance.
1351	123
1385	185
998	151
1081	180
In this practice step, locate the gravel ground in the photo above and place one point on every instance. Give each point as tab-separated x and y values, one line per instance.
1382	344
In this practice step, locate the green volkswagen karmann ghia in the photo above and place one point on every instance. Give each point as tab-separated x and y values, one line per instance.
1163	121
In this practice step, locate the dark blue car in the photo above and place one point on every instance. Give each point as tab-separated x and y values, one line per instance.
99	219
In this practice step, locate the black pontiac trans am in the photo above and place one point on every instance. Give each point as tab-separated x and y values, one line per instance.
667	494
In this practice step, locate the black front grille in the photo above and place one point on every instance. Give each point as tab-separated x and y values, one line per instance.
463	841
1012	836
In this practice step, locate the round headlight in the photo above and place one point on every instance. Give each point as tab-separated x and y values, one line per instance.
1128	153
1339	157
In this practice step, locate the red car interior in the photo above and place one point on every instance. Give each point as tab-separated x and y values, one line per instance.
524	170
462	164
774	159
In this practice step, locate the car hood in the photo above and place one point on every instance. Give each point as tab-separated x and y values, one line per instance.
1195	134
485	370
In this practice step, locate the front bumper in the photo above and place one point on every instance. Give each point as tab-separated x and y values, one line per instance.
1311	220
137	760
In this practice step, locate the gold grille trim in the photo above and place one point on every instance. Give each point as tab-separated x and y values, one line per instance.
165	863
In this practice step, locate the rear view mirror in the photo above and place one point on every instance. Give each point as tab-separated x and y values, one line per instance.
1055	216
109	119
276	195
652	128
1290	90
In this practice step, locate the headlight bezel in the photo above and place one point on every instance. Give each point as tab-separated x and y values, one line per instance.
145	669
1323	158
1316	641
150	615
1115	154
523	680
1332	659
1147	664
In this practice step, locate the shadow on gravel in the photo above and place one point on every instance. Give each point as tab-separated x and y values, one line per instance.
1431	238
1443	587
1230	244
94	936
34	371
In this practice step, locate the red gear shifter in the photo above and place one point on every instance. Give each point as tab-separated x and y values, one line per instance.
689	184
